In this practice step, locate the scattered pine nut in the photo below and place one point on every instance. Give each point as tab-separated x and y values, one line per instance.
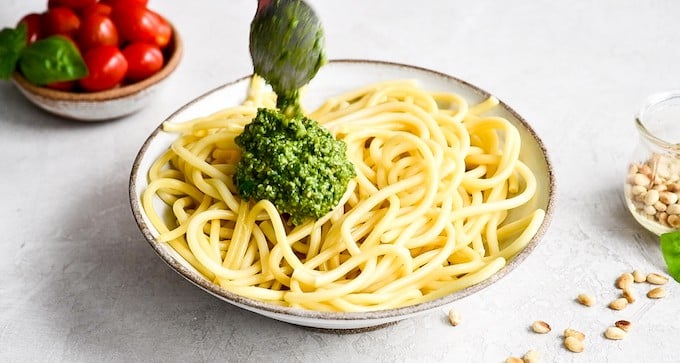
657	279
626	279
586	299
540	327
656	293
623	325
618	304
638	276
614	333
573	344
514	360
574	333
532	356
629	294
454	317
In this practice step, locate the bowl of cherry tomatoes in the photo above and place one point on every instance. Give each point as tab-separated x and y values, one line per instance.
107	58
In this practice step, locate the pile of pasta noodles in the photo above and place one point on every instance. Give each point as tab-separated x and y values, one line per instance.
424	217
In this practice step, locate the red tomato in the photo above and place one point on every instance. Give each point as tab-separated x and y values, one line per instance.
134	2
33	27
139	24
73	4
97	30
97	8
66	86
106	66
60	20
143	59
163	31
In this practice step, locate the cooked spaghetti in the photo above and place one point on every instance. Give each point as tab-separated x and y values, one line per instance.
424	217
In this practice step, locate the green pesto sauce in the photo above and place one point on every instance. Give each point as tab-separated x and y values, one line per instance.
294	163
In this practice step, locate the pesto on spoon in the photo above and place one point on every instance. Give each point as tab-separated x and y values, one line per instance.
287	158
287	48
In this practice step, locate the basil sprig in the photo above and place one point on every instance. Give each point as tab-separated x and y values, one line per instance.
53	59
12	42
670	248
49	60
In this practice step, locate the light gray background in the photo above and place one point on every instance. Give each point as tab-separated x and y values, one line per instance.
78	282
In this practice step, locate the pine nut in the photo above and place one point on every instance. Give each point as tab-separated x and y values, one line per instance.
652	197
641	179
639	189
657	279
638	276
573	344
629	294
614	333
673	209
644	169
649	210
618	304
454	317
674	220
514	360
660	207
624	280
540	327
586	299
656	293
640	199
673	187
660	187
665	197
663	171
532	356
623	325
574	333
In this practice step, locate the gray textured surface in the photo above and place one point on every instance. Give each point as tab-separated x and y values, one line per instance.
78	283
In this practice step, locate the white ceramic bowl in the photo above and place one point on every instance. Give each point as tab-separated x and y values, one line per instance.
103	105
334	78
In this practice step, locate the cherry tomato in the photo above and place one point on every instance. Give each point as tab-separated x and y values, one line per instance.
66	86
97	8
139	24
96	30
33	27
60	20
143	59
163	31
73	4
107	67
134	2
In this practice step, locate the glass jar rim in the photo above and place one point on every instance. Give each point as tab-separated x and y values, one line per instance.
652	101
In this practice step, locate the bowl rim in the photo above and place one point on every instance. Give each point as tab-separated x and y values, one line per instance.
400	312
176	48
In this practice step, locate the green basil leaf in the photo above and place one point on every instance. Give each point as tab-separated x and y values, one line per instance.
670	248
53	59
12	42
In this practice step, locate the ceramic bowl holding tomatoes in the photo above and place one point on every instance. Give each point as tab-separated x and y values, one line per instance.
124	52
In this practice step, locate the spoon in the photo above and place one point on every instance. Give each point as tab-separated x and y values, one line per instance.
287	48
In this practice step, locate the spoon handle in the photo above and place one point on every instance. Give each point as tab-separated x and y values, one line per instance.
263	4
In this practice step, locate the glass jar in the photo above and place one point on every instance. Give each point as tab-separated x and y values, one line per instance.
652	186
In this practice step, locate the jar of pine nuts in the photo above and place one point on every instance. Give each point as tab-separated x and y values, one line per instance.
652	187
